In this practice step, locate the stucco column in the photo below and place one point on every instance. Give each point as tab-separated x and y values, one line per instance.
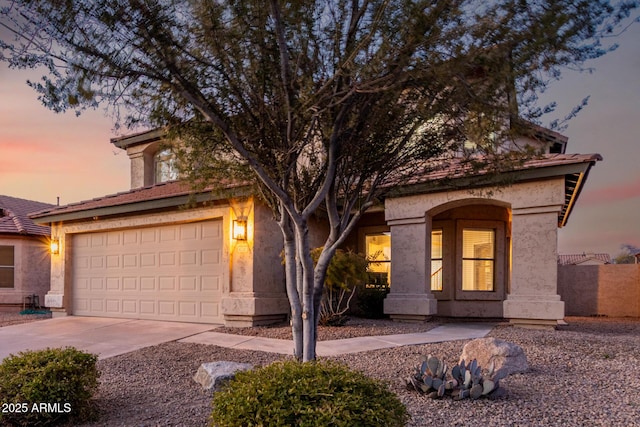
410	298
256	294
56	299
533	297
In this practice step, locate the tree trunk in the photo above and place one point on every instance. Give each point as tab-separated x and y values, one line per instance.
305	262
291	281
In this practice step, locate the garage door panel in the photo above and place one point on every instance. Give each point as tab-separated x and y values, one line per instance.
168	234
114	239
97	283
113	283
81	263
188	231
81	241
113	306
113	261
129	283
147	283
210	283
147	307
167	308
97	240
96	304
81	305
211	257
148	260
129	238
167	259
129	260
129	306
165	273
209	310
148	236
211	230
167	284
188	283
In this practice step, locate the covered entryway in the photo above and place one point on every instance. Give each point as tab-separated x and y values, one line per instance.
169	272
470	246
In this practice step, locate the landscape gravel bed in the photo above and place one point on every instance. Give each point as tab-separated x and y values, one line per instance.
15	318
586	373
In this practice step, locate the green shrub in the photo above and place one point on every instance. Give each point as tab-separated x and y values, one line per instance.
46	387
370	301
346	270
317	393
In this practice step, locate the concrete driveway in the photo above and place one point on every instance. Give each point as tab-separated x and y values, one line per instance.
106	337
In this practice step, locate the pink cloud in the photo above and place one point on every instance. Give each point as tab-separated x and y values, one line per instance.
621	191
23	145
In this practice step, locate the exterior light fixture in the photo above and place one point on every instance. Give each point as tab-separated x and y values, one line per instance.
240	229
54	246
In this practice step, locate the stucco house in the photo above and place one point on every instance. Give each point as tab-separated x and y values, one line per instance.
456	249
24	253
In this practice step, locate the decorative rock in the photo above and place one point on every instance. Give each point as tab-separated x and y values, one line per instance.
508	358
213	374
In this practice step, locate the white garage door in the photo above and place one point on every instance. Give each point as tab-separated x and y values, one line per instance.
171	272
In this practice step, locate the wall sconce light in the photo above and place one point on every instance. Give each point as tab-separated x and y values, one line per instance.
54	246
240	229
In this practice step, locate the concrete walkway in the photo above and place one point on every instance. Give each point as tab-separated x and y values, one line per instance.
110	337
106	337
446	332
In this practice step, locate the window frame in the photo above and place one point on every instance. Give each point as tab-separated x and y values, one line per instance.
363	232
12	268
441	258
490	259
499	260
164	157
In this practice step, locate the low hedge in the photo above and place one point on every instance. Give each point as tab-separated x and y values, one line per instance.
47	387
317	393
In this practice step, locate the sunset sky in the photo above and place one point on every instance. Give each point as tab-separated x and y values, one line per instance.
44	155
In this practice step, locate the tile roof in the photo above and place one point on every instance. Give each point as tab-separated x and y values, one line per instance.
453	169
574	259
164	190
14	217
460	168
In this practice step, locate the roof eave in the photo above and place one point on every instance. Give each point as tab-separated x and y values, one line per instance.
476	181
164	203
573	192
125	142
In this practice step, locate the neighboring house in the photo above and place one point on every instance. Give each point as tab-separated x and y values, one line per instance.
449	249
584	259
25	264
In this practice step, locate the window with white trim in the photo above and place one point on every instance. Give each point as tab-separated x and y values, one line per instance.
165	166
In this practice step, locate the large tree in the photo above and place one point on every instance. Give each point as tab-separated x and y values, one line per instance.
321	104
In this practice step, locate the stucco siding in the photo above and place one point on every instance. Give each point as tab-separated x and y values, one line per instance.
32	269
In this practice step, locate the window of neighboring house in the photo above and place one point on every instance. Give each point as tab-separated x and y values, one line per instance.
6	266
165	165
378	253
436	260
478	259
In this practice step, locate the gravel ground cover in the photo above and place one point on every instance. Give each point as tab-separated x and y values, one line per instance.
586	373
15	318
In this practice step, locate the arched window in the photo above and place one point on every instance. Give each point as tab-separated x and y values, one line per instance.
165	166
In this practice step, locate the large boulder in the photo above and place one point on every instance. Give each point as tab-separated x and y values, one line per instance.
507	358
213	374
